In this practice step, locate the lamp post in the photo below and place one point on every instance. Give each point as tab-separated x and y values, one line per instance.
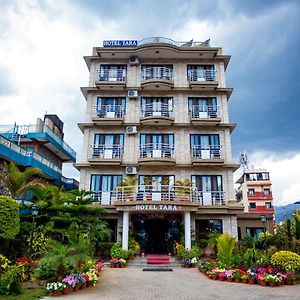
34	213
263	219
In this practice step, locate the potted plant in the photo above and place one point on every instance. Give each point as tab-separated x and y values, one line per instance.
237	276
251	277
55	288
229	275
70	281
122	262
289	278
244	278
92	278
222	276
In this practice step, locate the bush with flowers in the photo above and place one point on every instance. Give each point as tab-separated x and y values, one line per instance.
92	276
55	286
4	263
71	280
286	260
98	267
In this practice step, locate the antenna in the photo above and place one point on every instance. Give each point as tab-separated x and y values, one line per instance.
243	158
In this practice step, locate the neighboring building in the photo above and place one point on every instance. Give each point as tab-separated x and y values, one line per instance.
157	110
39	145
255	193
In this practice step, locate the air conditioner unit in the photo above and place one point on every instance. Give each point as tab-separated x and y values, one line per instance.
131	170
134	60
133	94
131	129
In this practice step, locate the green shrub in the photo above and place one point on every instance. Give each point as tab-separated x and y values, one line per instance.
47	268
10	280
195	252
116	250
286	260
10	219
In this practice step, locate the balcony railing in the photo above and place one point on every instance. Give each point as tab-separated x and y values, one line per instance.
112	75
167	193
106	151
207	152
201	75
7	143
157	110
153	150
163	40
204	112
161	73
110	111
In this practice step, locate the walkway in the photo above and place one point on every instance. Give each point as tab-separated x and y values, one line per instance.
181	284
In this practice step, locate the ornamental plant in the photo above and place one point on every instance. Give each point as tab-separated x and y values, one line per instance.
116	250
55	286
122	261
98	267
92	276
70	280
4	263
10	280
286	260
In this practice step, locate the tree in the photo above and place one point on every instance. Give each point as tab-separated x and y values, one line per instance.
9	220
226	245
18	182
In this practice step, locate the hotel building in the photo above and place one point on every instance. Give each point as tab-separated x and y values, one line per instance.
157	115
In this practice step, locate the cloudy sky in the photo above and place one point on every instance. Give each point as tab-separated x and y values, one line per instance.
41	66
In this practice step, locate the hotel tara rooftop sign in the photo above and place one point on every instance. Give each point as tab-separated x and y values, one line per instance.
121	43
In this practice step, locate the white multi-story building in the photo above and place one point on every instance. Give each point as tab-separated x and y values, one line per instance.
156	111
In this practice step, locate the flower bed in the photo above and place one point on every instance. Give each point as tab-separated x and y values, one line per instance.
255	275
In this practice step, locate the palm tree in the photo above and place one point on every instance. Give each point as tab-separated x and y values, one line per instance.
18	182
226	245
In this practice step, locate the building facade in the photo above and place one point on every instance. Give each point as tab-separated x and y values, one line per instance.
39	145
255	193
157	146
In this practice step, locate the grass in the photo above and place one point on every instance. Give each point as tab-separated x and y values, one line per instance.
29	294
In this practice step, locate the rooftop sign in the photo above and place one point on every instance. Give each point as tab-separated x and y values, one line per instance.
121	43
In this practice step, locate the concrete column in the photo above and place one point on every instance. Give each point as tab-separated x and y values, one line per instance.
187	230
125	230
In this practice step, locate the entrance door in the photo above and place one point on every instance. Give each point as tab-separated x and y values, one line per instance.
157	230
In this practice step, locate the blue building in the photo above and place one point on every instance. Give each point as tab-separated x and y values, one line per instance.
41	146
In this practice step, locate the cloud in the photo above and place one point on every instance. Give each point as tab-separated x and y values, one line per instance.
284	174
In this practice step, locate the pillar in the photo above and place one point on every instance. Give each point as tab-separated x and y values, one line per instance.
187	230
125	231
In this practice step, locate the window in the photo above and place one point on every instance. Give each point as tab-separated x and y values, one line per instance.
201	72
267	192
108	146
202	107
254	231
157	182
156	145
257	176
251	192
203	227
252	205
157	72
112	72
268	205
110	107
205	146
152	106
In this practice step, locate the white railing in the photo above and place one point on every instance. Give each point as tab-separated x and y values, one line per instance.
156	194
109	111
112	74
201	75
207	152
163	40
157	109
106	151
26	153
23	130
156	150
204	112
157	73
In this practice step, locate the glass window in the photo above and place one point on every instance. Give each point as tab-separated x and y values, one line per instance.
254	231
267	192
252	205
251	192
203	227
108	139
268	205
201	72
105	183
112	72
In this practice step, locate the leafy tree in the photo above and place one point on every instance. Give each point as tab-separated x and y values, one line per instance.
9	218
18	182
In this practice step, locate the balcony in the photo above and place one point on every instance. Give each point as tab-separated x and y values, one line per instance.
261	209
202	79
157	114
158	78
13	152
169	193
112	79
260	196
203	155
157	153
204	115
108	114
106	155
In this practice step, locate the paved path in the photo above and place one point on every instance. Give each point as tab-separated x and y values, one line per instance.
181	284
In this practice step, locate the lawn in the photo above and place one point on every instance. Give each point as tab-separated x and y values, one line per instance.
29	294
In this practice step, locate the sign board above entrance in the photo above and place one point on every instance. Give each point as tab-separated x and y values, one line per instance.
156	207
121	43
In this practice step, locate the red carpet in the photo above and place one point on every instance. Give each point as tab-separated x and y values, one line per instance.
158	259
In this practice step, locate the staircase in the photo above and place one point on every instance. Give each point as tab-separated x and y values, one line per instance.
158	259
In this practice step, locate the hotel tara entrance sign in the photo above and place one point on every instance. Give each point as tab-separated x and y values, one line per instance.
121	43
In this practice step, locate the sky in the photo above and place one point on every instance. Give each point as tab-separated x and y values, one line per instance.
41	66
